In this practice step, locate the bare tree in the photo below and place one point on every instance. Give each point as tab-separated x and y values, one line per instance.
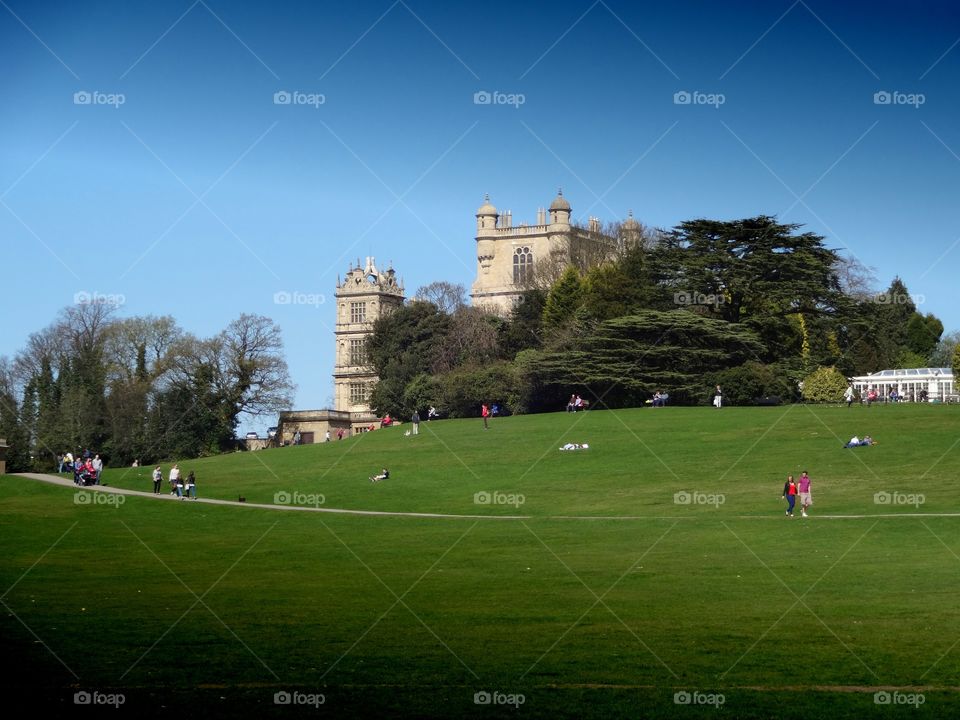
243	366
448	297
138	347
472	338
856	279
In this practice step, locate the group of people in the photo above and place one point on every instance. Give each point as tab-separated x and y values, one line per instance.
179	486
86	467
791	489
873	395
576	403
660	398
860	442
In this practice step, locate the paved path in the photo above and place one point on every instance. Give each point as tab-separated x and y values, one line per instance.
165	495
67	482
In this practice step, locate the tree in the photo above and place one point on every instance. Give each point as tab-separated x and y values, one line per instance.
463	390
754	382
942	355
523	330
471	339
623	361
242	369
563	299
12	429
825	384
448	297
604	292
750	267
956	362
404	344
923	333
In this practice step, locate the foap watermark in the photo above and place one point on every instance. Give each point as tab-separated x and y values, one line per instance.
484	697
295	97
898	299
898	498
94	697
86	297
695	697
484	97
685	97
295	297
86	97
498	498
82	497
298	498
885	697
698	298
895	97
698	498
298	698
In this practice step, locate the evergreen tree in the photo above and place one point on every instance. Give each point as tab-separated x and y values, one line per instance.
563	300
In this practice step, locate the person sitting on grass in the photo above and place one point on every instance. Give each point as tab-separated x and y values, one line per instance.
857	442
384	475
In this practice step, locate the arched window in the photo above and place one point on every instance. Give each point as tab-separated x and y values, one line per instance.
522	266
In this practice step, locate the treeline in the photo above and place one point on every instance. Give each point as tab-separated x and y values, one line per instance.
137	388
753	305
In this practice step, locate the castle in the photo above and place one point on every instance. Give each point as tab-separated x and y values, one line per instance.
507	256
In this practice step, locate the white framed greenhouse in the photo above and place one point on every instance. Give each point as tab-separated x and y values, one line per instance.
910	384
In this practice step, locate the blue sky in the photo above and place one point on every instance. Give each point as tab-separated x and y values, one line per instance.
199	197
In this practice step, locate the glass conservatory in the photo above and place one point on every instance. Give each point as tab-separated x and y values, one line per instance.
910	384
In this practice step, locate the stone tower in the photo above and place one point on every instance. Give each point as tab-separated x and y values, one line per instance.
507	254
365	294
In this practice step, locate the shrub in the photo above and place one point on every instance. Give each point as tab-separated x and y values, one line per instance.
825	384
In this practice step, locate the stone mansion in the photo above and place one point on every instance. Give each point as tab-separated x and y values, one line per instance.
506	258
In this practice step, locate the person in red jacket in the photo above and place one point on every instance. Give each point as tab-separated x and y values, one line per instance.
790	493
485	413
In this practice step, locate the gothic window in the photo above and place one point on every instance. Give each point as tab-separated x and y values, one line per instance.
357	352
358	312
522	266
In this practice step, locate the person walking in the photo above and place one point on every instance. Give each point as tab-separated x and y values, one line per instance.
790	493
97	467
848	395
191	486
327	437
415	420
157	479
717	397
485	414
175	480
806	500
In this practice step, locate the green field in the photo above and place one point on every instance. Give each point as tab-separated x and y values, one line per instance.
655	567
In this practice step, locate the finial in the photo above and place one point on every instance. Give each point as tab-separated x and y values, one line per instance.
630	213
560	191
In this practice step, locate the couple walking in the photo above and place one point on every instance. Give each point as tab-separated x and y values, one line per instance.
790	490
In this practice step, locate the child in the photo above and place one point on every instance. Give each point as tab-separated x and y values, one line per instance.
790	493
384	474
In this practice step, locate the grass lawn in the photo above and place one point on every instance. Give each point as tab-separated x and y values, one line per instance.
655	568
